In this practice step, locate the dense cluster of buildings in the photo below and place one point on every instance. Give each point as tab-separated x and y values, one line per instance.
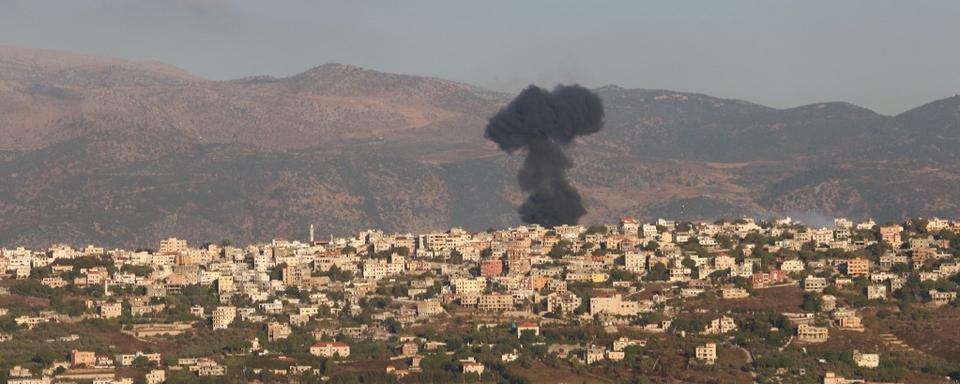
565	274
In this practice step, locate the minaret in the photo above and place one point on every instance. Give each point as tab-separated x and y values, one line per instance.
311	233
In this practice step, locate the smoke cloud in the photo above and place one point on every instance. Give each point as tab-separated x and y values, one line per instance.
543	124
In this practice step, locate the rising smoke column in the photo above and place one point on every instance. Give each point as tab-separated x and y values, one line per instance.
543	124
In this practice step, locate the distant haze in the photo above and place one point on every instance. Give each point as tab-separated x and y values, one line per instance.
884	55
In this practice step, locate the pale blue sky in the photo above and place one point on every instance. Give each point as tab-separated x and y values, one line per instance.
885	55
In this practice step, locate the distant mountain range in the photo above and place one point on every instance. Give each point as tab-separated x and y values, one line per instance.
114	152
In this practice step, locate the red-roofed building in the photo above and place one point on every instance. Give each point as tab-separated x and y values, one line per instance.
527	327
766	279
491	268
83	358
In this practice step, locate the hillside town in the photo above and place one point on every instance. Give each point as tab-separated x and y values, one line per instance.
731	301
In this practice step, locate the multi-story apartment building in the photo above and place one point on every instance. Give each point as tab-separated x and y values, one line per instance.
720	326
707	353
563	302
495	302
812	334
742	270
225	285
295	274
876	292
866	360
792	265
491	268
110	310
891	234
155	376
172	245
613	304
814	284
429	308
888	260
83	358
766	279
634	261
278	331
732	293
939	298
723	261
470	285
330	349
821	236
223	316
375	269
127	359
858	267
842	223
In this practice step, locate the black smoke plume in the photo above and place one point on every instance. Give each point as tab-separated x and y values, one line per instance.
544	124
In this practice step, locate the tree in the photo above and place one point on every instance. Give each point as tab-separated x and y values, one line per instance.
651	246
276	272
918	226
71	307
812	302
139	270
584	305
658	272
31	288
756	239
456	257
393	325
560	249
594	229
556	252
292	291
142	362
689	324
45	356
725	241
337	274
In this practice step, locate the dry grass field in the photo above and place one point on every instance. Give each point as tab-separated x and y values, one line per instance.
938	336
781	299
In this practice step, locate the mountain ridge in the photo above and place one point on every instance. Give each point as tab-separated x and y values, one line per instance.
84	159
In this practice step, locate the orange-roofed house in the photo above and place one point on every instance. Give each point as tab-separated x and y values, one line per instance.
491	268
528	327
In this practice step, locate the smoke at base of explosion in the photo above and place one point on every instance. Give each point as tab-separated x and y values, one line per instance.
543	124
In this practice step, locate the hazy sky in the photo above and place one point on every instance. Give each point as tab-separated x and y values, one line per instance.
885	55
